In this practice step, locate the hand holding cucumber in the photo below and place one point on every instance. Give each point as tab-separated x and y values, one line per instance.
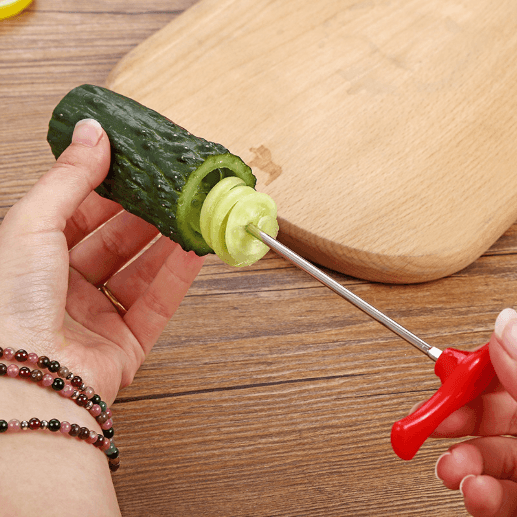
51	266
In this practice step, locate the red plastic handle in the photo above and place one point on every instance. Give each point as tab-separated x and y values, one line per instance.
464	376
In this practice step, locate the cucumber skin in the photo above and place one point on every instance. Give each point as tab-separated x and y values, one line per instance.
151	156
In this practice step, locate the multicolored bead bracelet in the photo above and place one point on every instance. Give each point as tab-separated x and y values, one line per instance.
82	395
74	430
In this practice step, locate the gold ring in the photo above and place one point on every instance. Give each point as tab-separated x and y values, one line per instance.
111	297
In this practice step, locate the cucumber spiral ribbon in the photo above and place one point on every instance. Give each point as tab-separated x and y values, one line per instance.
228	208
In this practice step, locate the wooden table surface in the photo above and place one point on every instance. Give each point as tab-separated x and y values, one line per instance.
267	394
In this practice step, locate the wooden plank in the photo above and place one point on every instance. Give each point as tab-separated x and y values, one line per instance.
298	449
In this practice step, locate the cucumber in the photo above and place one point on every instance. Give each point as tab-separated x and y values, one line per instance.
219	220
159	171
228	209
207	210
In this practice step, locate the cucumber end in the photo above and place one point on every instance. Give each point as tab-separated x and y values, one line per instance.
195	192
227	210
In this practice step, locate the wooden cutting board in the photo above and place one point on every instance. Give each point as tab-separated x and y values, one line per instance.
385	130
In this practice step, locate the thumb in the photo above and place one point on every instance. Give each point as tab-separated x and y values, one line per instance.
57	194
503	350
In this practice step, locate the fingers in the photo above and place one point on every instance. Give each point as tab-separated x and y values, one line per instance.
457	463
93	212
151	287
130	283
153	309
503	350
102	254
91	310
485	469
485	496
58	194
493	413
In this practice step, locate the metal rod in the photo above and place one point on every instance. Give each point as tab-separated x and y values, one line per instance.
392	325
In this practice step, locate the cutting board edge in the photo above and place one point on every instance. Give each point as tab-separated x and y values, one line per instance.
374	267
387	268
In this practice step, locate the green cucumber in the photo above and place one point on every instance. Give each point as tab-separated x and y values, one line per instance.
159	171
180	183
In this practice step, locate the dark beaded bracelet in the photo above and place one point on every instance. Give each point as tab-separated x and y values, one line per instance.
57	384
74	430
83	396
86	399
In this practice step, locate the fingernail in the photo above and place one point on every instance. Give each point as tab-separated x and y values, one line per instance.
502	321
463	481
87	132
448	453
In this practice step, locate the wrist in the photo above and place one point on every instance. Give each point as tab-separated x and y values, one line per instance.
51	461
54	382
89	359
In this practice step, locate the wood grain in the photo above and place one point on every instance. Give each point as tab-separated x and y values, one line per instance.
383	130
267	395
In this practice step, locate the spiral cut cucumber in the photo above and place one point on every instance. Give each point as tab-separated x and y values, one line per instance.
228	208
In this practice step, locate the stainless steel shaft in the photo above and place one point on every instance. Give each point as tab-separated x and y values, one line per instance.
325	279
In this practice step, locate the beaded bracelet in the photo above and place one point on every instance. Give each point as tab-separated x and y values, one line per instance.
74	430
87	399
